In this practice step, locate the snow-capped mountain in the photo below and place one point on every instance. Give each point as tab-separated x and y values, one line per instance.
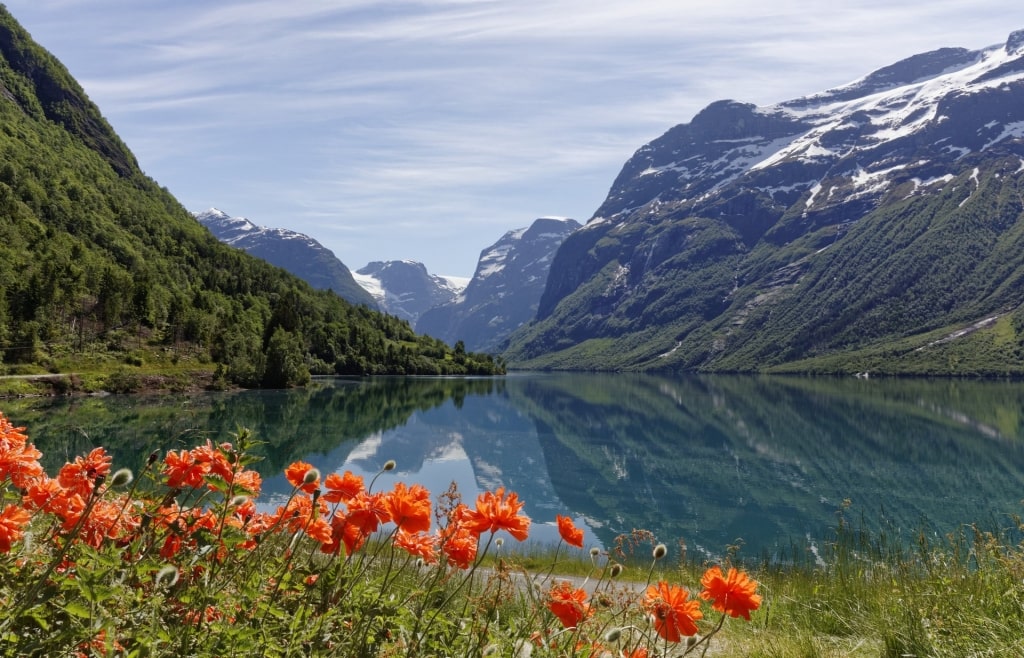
902	123
505	289
405	289
296	252
750	237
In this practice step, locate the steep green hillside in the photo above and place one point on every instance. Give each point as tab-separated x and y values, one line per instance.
922	285
98	264
874	227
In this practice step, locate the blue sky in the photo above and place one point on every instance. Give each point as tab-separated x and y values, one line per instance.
426	129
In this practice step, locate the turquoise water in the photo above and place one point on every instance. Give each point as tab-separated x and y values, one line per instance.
761	463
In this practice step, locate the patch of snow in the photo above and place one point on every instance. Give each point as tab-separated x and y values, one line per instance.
814	193
795	187
491	268
455	283
370	284
1015	130
977	184
960	150
918	183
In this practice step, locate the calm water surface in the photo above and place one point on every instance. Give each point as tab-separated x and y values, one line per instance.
711	461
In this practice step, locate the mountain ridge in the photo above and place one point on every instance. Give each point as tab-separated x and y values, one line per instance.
506	287
748	239
404	288
290	250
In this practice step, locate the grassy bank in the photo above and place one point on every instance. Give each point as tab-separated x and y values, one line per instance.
175	557
155	373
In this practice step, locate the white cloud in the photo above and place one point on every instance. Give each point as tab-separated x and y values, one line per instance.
402	121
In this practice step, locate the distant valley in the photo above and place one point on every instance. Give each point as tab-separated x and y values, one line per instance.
481	312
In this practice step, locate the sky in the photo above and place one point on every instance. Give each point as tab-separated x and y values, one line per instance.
425	130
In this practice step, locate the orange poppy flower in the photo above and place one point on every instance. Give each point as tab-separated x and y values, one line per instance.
182	470
367	511
296	474
20	463
248	482
171	546
107	519
568	604
418	544
44	493
460	547
214	459
733	594
409	507
80	475
569	532
458	543
343	533
300	514
342	487
13	520
496	512
11	436
674	616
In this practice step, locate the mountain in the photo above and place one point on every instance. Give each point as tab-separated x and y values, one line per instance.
872	227
295	252
102	270
505	289
405	289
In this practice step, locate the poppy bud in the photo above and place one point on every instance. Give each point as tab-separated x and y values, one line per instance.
615	571
238	501
613	635
389	465
659	551
122	477
167	576
312	475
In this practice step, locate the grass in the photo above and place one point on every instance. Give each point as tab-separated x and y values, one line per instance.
142	370
178	560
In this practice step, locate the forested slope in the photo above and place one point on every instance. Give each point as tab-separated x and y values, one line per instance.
99	263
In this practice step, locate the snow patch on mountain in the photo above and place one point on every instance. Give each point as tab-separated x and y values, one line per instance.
405	289
860	132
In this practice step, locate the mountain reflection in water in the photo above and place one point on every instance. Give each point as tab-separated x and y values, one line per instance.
709	460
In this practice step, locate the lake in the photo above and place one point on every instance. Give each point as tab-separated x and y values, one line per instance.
714	461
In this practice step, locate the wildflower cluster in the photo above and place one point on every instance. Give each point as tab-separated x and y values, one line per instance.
92	563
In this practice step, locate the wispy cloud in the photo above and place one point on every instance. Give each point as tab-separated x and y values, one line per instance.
412	128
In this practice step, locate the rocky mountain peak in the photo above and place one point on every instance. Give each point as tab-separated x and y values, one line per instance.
746	236
293	251
1015	41
404	288
504	291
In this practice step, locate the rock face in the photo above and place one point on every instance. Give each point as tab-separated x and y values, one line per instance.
505	289
405	289
295	252
834	224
